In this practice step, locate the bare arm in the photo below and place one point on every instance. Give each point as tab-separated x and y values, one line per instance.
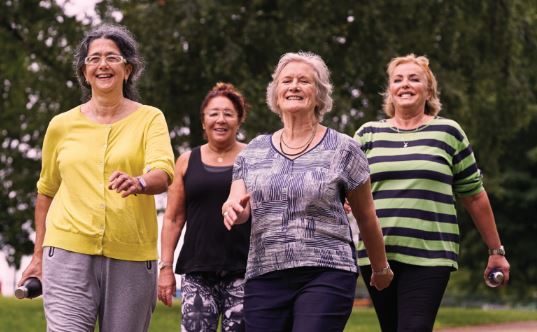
236	209
363	209
478	206
34	269
172	226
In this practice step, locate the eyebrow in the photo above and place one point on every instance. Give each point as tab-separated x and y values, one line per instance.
411	76
99	53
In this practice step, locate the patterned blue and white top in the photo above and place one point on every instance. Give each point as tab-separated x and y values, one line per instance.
298	218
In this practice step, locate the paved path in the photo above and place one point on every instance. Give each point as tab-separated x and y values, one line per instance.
530	326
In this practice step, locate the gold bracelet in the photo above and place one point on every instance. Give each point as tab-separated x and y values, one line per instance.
384	271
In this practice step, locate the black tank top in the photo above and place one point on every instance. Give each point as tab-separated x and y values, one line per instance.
208	246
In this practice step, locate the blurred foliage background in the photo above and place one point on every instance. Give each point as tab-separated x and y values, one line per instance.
483	53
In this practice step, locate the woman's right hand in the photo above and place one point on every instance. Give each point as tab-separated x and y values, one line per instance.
166	286
235	212
34	269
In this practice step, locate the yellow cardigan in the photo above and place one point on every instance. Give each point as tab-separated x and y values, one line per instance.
78	157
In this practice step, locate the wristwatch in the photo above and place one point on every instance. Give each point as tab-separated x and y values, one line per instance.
497	251
142	182
162	265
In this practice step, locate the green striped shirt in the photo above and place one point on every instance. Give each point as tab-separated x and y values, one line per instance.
415	175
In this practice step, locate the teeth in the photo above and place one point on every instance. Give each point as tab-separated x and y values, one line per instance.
294	98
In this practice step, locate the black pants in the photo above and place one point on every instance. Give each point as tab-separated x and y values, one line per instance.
413	298
304	299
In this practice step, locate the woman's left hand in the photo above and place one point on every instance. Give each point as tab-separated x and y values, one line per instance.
123	183
381	280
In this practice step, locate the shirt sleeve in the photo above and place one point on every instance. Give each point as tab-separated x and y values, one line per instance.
354	165
467	179
239	167
50	179
360	137
159	153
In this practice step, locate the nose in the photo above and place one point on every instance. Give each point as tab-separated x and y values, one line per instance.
102	61
221	117
294	85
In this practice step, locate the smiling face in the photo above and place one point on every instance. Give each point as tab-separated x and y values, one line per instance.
220	120
296	89
105	77
408	87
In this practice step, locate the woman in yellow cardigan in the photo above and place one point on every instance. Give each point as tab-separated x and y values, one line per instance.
95	216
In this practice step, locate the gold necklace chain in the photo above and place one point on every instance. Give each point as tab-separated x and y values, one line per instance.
220	158
302	146
405	142
301	151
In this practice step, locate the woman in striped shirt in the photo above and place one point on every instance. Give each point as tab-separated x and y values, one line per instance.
419	163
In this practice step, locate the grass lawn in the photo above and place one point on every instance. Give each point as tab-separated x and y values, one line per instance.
27	316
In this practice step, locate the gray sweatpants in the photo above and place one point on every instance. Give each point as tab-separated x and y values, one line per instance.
78	288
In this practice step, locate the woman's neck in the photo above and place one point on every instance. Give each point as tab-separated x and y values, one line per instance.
106	107
221	147
404	120
296	127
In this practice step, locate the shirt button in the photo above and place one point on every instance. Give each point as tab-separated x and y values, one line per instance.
101	206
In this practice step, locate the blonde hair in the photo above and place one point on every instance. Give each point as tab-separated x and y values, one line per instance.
433	105
322	82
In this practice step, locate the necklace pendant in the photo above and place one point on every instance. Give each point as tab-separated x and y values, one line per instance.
405	144
220	159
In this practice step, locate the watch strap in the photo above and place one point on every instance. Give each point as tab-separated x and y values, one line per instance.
497	251
163	265
142	182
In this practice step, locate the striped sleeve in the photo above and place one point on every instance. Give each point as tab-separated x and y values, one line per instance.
467	179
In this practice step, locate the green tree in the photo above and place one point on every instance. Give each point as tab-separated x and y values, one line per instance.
36	82
481	51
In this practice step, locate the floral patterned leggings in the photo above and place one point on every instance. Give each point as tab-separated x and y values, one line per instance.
206	296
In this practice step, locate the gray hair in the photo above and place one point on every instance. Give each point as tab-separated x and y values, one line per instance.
128	47
322	82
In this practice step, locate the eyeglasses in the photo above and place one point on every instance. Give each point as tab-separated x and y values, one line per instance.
111	59
228	114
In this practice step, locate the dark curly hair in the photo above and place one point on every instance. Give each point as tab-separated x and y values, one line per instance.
128	47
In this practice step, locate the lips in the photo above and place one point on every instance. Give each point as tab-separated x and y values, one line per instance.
294	98
101	76
405	94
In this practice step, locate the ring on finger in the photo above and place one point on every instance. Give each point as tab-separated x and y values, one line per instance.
225	214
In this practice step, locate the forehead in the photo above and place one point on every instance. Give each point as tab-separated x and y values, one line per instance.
297	68
407	69
102	45
220	102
